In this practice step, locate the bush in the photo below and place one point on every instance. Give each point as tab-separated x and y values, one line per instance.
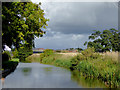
24	52
75	60
15	53
88	52
6	56
42	55
85	55
58	51
48	52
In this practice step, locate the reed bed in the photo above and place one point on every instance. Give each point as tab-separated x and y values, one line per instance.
114	56
103	66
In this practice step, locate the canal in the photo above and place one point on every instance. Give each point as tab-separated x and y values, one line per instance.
36	75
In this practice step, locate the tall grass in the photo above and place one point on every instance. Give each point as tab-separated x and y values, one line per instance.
114	56
105	70
86	82
33	58
58	60
89	64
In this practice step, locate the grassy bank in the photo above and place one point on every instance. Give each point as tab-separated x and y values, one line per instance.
86	82
89	64
9	64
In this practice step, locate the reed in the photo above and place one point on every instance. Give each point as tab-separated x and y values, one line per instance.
114	56
103	66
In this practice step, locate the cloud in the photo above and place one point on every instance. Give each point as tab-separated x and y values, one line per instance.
72	22
36	1
61	41
81	17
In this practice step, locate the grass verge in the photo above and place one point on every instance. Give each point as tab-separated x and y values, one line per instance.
88	63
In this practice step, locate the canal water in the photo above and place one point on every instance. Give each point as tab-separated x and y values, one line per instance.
36	75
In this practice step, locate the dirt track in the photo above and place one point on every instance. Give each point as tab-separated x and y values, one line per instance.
69	54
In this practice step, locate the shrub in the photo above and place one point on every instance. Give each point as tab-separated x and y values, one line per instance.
88	52
24	52
58	51
42	55
75	60
48	52
6	56
15	53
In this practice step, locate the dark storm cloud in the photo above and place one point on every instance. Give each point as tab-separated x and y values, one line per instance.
81	18
72	22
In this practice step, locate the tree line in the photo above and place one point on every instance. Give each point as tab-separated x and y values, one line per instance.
108	40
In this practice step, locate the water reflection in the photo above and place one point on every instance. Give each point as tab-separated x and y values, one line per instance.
26	71
36	75
48	69
86	82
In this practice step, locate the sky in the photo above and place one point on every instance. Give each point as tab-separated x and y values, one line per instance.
72	22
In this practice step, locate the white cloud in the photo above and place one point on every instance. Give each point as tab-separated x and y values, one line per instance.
76	37
61	41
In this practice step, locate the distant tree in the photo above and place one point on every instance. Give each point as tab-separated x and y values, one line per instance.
79	49
104	41
67	49
71	48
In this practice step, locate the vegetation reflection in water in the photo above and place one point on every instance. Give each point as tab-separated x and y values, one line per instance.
47	69
86	82
26	71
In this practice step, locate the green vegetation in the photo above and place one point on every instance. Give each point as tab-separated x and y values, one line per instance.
24	52
15	53
22	22
104	41
10	64
88	63
58	51
15	59
79	49
33	58
86	82
48	52
105	70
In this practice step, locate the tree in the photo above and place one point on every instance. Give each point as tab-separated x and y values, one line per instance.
21	23
71	48
79	49
104	41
